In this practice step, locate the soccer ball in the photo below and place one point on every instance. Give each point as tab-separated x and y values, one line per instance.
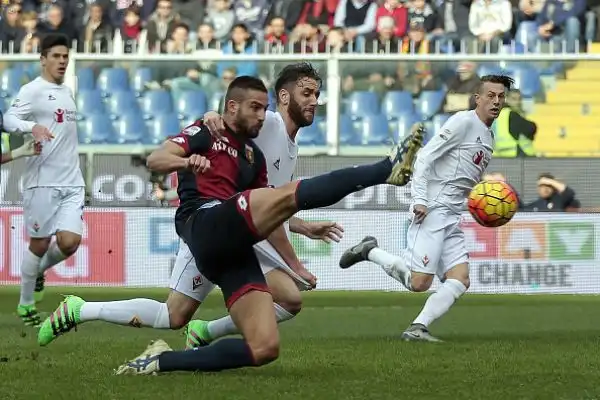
493	203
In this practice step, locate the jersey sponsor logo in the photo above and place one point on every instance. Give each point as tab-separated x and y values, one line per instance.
59	116
445	133
191	130
250	154
178	139
222	146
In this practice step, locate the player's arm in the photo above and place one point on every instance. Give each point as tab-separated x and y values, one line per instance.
30	148
18	118
450	135
178	152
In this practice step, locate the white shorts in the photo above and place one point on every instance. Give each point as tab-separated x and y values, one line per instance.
187	280
437	244
48	210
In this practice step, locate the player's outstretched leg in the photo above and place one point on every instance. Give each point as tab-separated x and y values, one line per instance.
368	250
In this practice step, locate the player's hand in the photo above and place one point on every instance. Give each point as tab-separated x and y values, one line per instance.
31	148
214	123
306	275
198	164
420	212
324	230
41	133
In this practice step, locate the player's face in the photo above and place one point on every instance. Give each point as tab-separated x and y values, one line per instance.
55	62
251	114
490	99
303	102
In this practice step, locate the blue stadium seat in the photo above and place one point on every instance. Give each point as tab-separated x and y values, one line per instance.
215	101
90	102
122	102
348	135
85	79
3	106
397	103
11	81
430	102
141	76
191	104
131	128
162	126
438	121
400	126
272	101
527	80
113	80
156	102
311	135
96	129
360	104
375	130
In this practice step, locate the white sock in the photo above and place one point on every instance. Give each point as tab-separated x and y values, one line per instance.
52	257
29	272
134	312
393	265
225	326
440	302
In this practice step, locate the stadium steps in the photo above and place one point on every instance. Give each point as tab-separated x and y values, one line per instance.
569	121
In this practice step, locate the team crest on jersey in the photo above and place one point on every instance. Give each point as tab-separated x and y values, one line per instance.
191	130
197	282
425	260
250	154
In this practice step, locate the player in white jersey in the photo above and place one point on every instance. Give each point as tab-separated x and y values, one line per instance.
445	171
54	188
298	88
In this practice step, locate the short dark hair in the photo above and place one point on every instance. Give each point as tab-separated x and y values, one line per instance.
505	80
241	84
546	175
292	73
241	26
52	40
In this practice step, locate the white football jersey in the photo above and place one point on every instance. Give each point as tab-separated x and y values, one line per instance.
280	151
53	106
452	162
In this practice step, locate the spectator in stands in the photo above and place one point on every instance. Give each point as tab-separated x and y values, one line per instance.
206	37
357	17
131	29
179	43
396	10
29	22
275	33
554	195
11	31
78	14
336	41
43	6
514	133
252	14
221	17
421	79
97	33
319	13
55	23
529	9
489	21
416	39
385	39
559	21
461	87
241	43
161	24
307	39
592	17
452	25
120	7
191	11
422	14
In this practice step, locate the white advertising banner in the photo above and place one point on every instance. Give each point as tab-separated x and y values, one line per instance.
135	247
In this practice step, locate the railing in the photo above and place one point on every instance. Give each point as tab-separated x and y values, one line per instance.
333	65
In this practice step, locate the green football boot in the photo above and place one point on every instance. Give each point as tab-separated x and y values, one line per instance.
29	315
196	334
65	318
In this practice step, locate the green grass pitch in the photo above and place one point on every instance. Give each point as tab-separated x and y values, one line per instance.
344	345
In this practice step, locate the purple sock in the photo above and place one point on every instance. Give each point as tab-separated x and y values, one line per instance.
223	354
325	190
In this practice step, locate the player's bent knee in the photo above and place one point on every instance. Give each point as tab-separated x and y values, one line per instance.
461	274
68	242
181	309
421	282
291	306
39	246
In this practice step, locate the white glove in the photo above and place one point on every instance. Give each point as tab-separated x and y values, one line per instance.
30	148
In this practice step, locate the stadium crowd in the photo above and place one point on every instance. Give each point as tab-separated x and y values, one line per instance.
246	26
